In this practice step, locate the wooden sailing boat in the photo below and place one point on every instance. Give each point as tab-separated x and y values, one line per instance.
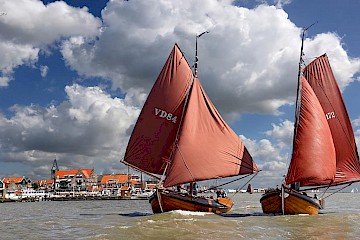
324	149
181	136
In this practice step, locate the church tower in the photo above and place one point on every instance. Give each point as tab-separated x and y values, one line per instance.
54	169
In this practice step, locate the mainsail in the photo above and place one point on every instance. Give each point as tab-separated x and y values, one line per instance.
180	128
324	151
313	159
321	78
155	131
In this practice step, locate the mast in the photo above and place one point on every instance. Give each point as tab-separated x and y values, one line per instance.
298	89
185	105
196	53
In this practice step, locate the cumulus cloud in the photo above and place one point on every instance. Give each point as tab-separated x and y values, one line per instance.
89	129
29	27
248	62
283	133
269	159
44	70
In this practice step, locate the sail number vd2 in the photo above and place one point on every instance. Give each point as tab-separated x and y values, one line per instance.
329	115
165	115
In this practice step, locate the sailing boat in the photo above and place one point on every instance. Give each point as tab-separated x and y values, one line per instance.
250	189
324	149
181	136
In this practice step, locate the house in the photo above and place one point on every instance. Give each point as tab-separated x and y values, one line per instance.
47	184
112	183
75	179
16	183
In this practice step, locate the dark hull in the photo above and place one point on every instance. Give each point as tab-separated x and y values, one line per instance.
178	201
294	203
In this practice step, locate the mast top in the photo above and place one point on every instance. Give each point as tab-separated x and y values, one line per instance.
196	55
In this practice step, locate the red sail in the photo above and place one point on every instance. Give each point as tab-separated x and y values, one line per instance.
321	78
155	131
207	148
313	159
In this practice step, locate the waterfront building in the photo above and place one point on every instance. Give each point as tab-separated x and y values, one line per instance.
46	184
16	183
112	183
75	179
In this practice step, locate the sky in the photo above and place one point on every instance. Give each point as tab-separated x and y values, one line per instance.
74	74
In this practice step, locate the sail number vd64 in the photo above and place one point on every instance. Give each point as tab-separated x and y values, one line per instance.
330	115
165	115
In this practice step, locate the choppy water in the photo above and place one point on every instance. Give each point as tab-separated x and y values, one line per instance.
133	219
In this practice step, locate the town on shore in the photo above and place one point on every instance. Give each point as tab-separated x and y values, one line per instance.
81	184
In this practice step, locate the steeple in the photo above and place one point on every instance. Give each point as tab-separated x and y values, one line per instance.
54	169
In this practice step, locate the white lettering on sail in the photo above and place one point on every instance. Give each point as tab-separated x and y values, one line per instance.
157	111
165	115
330	115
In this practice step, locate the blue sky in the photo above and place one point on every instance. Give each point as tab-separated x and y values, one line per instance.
74	74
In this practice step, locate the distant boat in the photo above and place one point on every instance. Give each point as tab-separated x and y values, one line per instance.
354	190
324	149
250	189
181	136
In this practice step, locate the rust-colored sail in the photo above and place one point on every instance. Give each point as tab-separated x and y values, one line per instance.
155	131
180	128
208	148
321	78
313	159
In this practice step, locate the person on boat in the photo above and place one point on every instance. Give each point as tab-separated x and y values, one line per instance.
195	189
218	193
315	196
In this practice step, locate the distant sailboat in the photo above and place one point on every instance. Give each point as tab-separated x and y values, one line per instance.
181	136
250	189
324	149
354	190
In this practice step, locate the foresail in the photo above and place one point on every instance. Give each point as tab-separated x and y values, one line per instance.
313	159
208	148
155	131
321	78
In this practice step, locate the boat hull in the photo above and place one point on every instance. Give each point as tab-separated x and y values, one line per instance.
170	201
294	203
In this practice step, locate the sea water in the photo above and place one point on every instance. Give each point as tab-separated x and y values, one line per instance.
133	219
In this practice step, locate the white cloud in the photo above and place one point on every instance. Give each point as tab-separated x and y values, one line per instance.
13	55
90	129
343	66
269	159
357	138
248	62
29	27
44	70
283	133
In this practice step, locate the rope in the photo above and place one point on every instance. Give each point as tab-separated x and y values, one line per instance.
337	191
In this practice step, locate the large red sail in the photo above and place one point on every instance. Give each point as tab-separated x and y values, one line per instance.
313	159
207	148
321	78
155	131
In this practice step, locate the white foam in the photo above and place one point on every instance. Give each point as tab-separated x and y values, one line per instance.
190	213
